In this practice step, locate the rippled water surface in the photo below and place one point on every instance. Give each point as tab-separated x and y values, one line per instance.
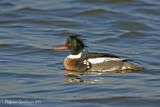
31	72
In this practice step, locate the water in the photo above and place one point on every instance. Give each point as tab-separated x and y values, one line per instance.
31	73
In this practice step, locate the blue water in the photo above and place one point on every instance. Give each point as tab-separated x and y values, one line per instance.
31	72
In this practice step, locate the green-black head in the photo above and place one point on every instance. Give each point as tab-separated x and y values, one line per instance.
74	44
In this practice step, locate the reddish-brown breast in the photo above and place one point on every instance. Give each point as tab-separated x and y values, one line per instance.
69	63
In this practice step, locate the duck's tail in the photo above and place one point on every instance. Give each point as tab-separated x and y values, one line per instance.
128	65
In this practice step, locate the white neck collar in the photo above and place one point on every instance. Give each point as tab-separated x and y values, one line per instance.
75	56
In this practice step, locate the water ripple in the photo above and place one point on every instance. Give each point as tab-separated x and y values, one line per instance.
30	69
132	35
6	4
29	9
125	25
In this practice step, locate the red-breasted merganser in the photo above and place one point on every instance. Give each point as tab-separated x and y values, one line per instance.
92	61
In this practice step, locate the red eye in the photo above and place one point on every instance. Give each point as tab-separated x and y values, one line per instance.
69	44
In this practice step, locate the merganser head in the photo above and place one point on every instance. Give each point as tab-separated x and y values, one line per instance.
73	44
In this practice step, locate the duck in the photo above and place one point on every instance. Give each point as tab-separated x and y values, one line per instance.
102	62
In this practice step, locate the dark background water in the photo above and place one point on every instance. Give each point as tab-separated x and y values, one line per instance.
31	72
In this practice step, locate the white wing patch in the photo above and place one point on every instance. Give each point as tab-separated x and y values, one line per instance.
103	59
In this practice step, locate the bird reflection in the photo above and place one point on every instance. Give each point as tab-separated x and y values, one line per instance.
77	77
